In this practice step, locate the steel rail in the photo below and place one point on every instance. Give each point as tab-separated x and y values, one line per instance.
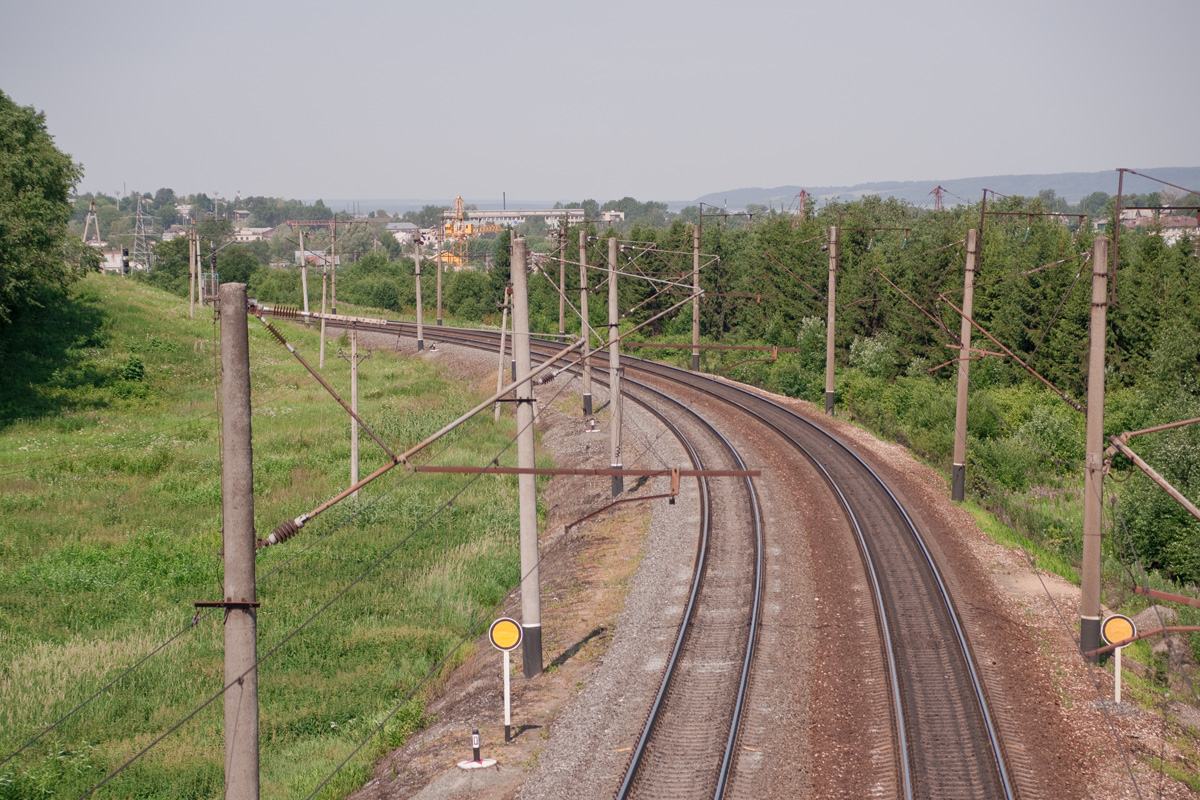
486	339
747	661
747	400
960	635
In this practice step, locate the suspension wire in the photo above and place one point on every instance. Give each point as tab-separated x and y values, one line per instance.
1144	581
1065	624
195	621
1159	180
470	634
200	616
296	631
1057	311
1084	255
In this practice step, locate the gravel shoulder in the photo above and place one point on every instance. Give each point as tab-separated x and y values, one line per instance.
608	611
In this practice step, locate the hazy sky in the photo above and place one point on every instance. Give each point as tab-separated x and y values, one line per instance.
565	101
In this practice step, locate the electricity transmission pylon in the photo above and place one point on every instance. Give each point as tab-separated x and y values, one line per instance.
142	254
92	223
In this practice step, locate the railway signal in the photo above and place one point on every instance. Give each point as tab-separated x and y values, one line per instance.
1116	629
505	636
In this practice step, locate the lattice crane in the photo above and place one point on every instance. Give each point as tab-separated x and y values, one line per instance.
455	232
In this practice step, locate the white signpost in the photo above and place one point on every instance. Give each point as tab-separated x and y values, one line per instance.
505	635
1117	628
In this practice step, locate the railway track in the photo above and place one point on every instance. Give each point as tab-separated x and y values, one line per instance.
946	742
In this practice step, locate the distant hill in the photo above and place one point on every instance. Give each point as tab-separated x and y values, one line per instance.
1071	186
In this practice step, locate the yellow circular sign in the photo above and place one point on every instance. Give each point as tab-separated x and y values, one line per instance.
1117	628
505	634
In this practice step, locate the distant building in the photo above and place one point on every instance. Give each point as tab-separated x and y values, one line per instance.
403	232
553	216
318	258
113	261
252	234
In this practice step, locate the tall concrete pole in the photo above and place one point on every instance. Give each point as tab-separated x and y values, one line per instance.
500	366
562	278
333	266
192	247
303	269
531	602
695	298
614	370
237	489
324	287
959	479
829	324
354	408
583	327
439	278
1093	481
420	309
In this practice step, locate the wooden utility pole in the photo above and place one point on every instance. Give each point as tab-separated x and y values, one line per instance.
303	268
614	370
1093	480
439	278
237	489
420	310
696	296
562	278
531	602
959	478
829	325
584	331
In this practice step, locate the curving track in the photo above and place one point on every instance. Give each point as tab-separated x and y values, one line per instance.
945	740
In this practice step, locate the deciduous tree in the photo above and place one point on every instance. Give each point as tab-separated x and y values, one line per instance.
36	179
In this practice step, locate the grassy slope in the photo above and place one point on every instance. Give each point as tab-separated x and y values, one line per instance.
109	530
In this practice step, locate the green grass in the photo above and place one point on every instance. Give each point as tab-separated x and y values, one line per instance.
110	510
1048	559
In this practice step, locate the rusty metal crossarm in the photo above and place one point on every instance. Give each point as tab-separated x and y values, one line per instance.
1119	445
589	471
1169	629
289	528
275	332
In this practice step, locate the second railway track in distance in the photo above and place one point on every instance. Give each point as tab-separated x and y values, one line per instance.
945	740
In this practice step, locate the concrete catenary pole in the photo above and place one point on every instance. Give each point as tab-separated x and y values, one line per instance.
959	478
192	248
420	309
695	298
324	288
354	408
1093	481
237	489
614	370
503	327
562	278
333	267
438	256
531	602
584	330
303	268
829	324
